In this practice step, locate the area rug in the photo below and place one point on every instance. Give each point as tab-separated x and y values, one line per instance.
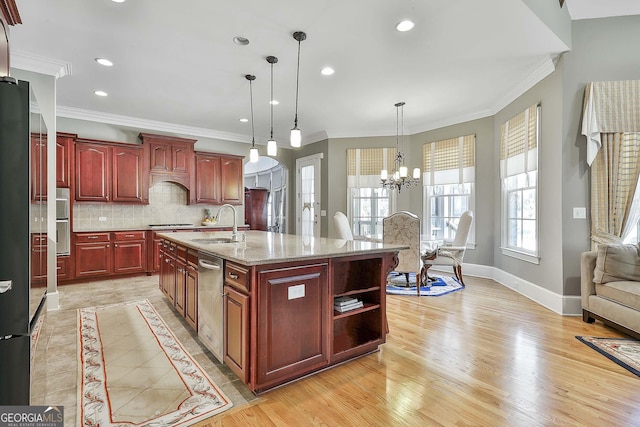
624	351
133	371
442	285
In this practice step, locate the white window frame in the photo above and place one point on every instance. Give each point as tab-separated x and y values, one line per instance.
428	232
532	179
351	214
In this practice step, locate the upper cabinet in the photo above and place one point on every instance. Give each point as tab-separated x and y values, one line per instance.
64	159
170	159
218	179
110	172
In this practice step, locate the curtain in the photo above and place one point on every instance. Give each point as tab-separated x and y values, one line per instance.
450	161
609	107
364	166
615	203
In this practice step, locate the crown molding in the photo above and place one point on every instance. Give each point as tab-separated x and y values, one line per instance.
10	12
138	123
40	64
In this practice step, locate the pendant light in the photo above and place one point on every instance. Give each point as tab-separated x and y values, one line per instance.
253	152
272	146
296	136
399	177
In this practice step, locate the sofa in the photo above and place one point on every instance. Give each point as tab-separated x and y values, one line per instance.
610	286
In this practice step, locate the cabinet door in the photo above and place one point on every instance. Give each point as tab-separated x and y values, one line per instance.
191	297
128	175
181	285
231	180
170	279
180	157
293	323
92	172
38	260
38	168
129	256
160	157
64	147
93	259
236	333
207	179
63	272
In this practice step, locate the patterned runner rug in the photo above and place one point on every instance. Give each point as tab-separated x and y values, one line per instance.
397	285
133	371
624	351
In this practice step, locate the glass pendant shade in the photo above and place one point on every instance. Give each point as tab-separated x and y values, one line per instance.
272	148
253	155
416	173
384	175
296	137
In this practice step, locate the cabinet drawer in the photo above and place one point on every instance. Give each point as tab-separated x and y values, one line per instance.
192	258
128	235
181	252
237	276
38	240
92	237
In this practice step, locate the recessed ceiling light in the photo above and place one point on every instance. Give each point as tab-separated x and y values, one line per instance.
243	120
405	25
101	93
118	1
104	61
327	71
242	41
274	102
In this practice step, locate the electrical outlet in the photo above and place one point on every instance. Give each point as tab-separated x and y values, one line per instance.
579	213
102	218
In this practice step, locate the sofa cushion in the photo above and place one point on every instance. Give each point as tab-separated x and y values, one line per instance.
623	292
617	262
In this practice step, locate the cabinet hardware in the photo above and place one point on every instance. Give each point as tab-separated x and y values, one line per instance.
92	237
233	276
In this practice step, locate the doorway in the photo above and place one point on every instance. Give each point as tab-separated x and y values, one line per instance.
308	195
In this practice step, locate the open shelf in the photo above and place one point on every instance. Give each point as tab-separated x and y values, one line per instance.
353	331
367	307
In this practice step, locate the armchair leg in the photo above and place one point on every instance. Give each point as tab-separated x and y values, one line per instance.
458	271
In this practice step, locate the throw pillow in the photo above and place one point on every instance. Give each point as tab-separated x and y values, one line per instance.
616	262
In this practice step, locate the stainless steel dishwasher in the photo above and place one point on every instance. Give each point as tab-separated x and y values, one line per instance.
210	303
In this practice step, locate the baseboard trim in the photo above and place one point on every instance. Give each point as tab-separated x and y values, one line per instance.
565	305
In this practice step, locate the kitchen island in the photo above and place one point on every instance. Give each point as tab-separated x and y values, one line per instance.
278	291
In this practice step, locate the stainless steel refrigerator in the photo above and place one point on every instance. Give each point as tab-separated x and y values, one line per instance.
17	315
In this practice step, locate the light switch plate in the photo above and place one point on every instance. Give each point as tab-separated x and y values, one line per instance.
579	213
102	218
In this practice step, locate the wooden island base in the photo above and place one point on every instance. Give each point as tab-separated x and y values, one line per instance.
279	319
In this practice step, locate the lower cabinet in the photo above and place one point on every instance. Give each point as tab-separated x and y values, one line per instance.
236	332
178	279
93	254
129	252
292	325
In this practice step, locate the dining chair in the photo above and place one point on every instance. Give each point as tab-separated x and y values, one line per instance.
404	228
343	228
450	253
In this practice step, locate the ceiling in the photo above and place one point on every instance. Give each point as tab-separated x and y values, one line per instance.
177	69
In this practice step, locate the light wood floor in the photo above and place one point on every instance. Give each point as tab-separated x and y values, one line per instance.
483	356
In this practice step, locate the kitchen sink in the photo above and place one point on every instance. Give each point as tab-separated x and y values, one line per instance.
214	240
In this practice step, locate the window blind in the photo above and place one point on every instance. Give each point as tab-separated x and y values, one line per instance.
364	165
519	142
450	161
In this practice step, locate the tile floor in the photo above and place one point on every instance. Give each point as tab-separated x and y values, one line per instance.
55	367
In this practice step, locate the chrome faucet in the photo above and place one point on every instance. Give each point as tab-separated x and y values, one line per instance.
234	234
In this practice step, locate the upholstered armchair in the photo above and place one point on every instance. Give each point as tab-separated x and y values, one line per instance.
343	228
451	253
404	228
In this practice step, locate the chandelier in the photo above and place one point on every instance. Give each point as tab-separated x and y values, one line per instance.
399	177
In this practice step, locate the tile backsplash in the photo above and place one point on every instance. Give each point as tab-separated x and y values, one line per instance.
167	205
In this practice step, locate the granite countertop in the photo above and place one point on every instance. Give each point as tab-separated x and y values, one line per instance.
262	247
148	227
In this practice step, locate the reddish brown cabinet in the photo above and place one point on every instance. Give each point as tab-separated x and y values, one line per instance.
93	170
236	332
110	172
93	254
255	208
179	280
38	167
191	292
129	252
218	179
128	180
38	260
64	159
170	158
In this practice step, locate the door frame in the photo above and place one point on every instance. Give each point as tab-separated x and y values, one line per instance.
315	161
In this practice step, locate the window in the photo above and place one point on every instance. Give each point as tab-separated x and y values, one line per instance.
519	174
368	203
448	185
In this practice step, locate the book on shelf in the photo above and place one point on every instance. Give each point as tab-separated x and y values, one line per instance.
344	300
344	308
